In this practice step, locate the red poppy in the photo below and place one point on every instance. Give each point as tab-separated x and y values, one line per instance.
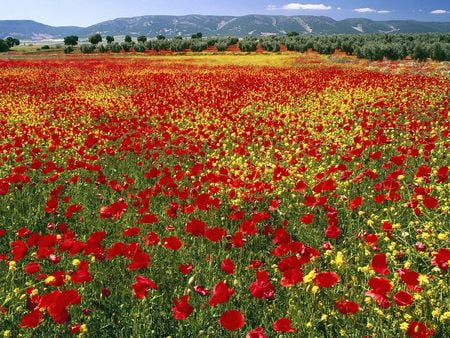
140	260
423	171
307	219
227	266
215	234
71	209
221	294
256	333
195	227
201	290
326	279
380	285
442	258
148	219
19	250
418	330
140	288
430	202
355	203
117	249
379	264
332	232
32	319
283	325
172	243
236	215
371	239
232	320
114	211
410	278
380	298
291	277
32	268
403	298
151	238
82	275
347	307
181	309
442	175
130	232
262	287
4	187
185	269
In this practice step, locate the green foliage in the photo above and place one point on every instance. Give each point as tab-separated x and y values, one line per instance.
87	49
222	46
139	47
103	49
199	45
160	44
45	47
11	42
115	47
291	34
374	46
177	45
270	45
142	39
371	51
3	46
440	51
212	41
110	39
95	39
71	40
128	39
198	35
68	50
126	46
420	53
248	45
160	37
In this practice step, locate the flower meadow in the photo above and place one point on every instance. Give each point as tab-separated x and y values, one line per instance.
222	196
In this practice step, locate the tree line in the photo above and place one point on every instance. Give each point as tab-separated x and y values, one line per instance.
196	43
369	46
375	46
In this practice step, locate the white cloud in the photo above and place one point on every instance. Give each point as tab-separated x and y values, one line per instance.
296	6
439	11
339	8
271	7
383	12
365	10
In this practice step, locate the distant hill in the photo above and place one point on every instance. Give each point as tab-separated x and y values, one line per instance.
32	30
209	25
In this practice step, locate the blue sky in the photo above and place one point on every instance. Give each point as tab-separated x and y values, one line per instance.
88	12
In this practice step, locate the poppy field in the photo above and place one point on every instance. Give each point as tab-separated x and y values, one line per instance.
222	196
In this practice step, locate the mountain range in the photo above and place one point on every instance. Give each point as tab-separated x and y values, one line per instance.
209	25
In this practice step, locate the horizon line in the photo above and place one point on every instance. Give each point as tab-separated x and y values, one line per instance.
237	16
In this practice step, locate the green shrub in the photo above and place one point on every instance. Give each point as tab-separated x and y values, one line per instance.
68	49
87	49
115	47
198	46
139	47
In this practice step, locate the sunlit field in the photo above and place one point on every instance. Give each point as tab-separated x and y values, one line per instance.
224	196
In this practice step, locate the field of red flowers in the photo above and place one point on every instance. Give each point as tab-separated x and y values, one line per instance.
190	197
